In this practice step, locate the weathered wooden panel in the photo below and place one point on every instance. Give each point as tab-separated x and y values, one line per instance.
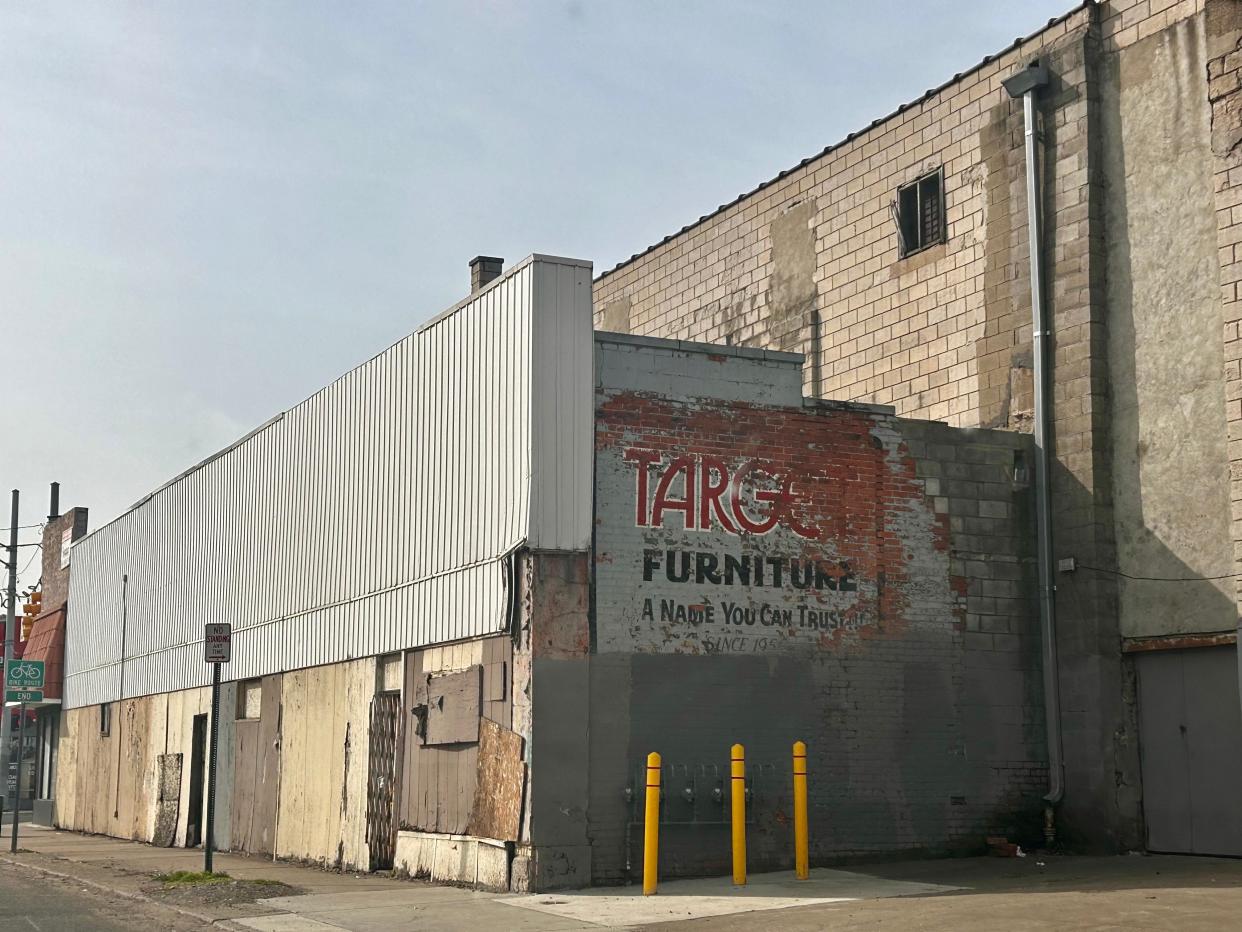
501	783
95	776
182	707
66	767
438	781
453	707
360	683
169	801
267	769
225	768
245	761
290	803
141	739
322	805
256	774
156	722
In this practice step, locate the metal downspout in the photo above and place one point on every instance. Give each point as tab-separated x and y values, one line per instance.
1026	84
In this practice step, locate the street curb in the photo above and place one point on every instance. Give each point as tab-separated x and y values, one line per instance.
104	888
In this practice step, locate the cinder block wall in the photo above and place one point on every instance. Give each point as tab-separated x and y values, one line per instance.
913	675
809	261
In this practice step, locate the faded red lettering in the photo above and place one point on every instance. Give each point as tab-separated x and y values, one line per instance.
642	460
684	466
770	496
710	494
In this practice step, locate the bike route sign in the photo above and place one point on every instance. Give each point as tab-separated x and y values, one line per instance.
23	681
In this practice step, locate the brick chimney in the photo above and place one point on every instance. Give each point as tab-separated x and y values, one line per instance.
484	270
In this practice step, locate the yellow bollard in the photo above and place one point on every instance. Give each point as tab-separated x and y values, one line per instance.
651	826
738	774
801	859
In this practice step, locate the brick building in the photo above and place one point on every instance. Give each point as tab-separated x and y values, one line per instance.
769	569
476	580
897	262
784	489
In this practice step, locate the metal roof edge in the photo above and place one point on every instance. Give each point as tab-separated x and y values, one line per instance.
513	270
691	346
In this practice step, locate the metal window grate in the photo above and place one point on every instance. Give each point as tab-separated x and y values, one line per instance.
920	213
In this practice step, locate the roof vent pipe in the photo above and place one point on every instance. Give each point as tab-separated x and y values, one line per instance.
484	270
1026	84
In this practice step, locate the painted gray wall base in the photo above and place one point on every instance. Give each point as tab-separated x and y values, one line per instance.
559	763
43	812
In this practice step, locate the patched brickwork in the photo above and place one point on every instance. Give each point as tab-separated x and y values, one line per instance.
55	577
833	574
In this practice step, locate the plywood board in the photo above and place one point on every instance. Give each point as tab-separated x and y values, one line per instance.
453	707
245	759
501	784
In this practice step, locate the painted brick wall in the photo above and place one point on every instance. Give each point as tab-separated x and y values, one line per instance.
915	682
55	577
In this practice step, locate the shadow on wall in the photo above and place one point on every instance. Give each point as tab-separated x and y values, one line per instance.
1139	486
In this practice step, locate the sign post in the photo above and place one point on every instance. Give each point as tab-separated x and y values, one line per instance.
23	681
217	650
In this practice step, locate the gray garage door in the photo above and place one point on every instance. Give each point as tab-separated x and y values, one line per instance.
1190	726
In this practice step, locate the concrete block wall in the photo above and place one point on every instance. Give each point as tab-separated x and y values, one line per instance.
809	261
1224	68
913	676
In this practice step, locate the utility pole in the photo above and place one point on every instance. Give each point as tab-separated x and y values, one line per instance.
10	648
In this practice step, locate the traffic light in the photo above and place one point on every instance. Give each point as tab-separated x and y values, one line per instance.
31	610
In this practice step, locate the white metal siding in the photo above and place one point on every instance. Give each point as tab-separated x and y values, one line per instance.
561	484
375	516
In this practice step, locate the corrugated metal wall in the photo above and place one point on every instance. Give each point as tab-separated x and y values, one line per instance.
375	516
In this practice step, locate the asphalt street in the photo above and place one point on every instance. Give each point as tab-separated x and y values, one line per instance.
33	902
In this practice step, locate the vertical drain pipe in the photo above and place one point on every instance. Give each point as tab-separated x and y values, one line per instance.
1026	84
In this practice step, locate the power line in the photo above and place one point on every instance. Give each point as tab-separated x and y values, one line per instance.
22	572
1098	569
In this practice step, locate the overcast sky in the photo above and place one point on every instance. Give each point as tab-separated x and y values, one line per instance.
210	210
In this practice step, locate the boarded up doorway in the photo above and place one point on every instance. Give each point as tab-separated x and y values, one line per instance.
1190	728
382	779
198	773
256	766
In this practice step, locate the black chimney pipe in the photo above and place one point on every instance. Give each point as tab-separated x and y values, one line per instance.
53	509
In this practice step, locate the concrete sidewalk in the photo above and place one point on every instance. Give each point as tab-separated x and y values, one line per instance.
370	903
1155	892
126	867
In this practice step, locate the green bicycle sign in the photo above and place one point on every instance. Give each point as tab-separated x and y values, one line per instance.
24	674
